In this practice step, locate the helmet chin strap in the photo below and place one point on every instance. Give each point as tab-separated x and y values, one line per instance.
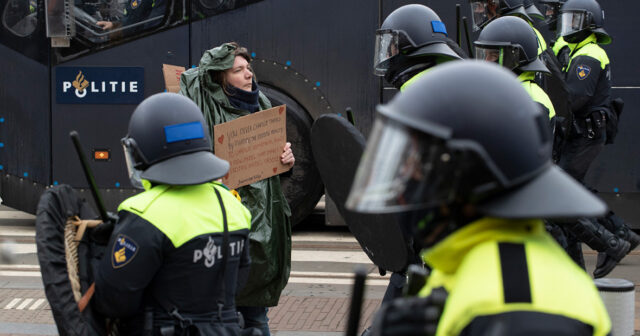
578	36
442	221
401	76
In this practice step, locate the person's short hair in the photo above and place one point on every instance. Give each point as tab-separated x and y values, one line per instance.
218	76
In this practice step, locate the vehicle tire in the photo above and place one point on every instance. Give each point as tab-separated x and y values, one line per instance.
302	185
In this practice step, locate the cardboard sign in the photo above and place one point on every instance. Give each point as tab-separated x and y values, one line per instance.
172	77
252	144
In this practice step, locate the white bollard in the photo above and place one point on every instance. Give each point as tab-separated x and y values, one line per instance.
618	296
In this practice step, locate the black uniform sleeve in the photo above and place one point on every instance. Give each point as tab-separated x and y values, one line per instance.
133	256
245	263
582	80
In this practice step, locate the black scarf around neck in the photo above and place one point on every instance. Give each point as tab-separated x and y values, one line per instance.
244	100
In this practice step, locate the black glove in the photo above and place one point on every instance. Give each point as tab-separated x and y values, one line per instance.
412	316
101	233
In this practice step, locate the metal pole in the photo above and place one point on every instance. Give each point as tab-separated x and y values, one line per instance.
466	34
458	31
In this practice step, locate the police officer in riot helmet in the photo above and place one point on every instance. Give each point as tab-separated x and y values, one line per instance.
532	10
478	152
411	40
483	11
179	250
588	77
512	43
551	12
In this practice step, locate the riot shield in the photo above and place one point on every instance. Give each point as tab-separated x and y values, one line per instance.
56	206
337	147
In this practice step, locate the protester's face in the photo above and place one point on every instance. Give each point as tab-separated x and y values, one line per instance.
240	75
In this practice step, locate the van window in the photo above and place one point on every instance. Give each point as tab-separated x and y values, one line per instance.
20	17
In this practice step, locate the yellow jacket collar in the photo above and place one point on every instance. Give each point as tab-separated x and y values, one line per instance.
447	255
527	76
591	39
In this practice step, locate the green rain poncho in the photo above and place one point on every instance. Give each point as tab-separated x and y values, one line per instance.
270	226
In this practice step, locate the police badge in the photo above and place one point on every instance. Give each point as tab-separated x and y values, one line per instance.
583	71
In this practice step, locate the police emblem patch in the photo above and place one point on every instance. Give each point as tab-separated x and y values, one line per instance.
135	4
583	71
124	250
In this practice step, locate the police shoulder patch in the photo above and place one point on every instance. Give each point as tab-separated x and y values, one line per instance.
583	71
135	4
124	250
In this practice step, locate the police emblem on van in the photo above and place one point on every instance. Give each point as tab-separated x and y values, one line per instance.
80	83
99	85
583	71
123	251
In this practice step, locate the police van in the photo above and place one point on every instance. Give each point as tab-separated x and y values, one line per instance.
84	65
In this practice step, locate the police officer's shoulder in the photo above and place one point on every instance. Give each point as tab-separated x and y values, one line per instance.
595	51
139	203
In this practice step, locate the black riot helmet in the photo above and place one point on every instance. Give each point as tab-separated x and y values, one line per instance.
483	11
511	42
532	10
410	35
467	134
168	143
580	18
551	10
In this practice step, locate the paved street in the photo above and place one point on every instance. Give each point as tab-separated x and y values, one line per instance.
314	303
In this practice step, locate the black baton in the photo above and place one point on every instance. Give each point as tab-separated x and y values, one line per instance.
356	301
89	175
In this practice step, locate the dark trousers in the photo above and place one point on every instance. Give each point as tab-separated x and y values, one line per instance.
256	317
576	157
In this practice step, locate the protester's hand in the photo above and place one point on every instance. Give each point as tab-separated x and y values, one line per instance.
412	316
106	25
287	155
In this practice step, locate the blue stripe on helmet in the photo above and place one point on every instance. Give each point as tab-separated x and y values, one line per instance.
438	27
181	132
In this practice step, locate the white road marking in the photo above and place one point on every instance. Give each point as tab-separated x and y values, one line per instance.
15	214
357	257
24	303
374	282
12	303
19	274
36	304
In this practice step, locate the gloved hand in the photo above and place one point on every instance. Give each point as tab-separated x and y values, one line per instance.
412	316
101	233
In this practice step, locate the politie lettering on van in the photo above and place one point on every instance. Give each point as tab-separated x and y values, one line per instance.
99	85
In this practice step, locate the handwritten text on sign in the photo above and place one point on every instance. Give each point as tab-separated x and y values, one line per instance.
252	144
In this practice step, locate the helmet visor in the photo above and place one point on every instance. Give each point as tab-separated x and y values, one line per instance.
386	47
129	156
571	22
482	11
507	56
401	170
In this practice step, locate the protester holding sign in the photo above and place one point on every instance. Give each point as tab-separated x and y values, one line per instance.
224	88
